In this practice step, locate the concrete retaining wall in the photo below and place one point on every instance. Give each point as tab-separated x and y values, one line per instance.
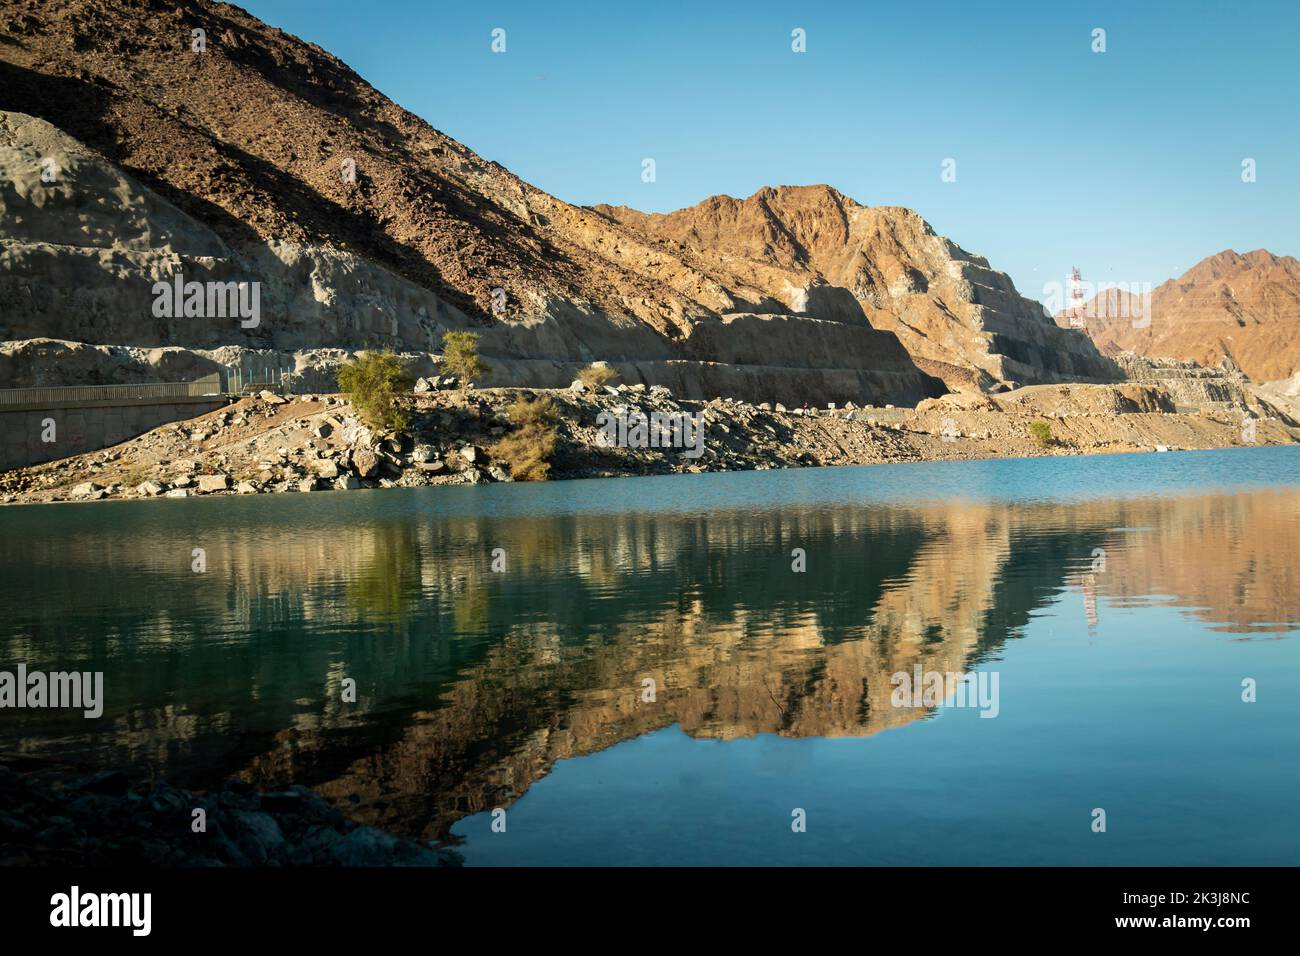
25	430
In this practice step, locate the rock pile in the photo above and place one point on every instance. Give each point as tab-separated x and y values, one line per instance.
103	821
317	443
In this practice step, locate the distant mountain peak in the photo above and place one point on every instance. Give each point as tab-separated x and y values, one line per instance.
1241	306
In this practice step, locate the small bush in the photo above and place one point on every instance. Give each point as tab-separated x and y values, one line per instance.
374	383
460	357
527	411
594	376
1041	432
527	450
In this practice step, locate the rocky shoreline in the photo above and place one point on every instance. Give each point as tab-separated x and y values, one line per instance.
101	820
309	443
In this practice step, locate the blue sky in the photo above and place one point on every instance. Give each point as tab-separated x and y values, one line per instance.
1126	163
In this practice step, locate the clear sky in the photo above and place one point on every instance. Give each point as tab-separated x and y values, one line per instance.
1126	163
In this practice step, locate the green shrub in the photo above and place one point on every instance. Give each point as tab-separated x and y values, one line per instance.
375	382
460	357
1041	432
527	450
594	376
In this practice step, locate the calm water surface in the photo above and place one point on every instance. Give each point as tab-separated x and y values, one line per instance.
1121	602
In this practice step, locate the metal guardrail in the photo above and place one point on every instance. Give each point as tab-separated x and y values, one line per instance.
64	394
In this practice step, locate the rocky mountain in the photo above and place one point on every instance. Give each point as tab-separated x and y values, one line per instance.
1244	308
141	140
815	251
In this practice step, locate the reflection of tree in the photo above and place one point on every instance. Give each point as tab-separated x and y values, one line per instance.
380	588
470	609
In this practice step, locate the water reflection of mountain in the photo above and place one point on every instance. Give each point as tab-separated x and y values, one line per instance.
472	683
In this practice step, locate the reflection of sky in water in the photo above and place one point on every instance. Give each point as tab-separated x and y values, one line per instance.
1119	688
1146	723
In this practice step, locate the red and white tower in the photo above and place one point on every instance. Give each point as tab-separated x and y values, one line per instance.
1076	299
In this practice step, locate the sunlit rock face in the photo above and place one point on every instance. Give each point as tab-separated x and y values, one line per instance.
1233	309
367	228
813	251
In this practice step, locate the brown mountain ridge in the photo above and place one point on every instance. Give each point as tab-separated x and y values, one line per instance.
1241	307
795	293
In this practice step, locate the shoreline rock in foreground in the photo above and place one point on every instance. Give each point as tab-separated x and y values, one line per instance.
102	821
311	443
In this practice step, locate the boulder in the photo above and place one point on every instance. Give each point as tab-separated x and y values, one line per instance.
150	488
210	483
365	461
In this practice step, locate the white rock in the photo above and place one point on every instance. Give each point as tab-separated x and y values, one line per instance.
209	483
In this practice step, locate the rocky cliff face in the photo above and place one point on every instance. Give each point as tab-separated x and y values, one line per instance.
810	250
128	157
1243	308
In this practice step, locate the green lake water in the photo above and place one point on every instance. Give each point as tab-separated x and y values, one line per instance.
636	673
